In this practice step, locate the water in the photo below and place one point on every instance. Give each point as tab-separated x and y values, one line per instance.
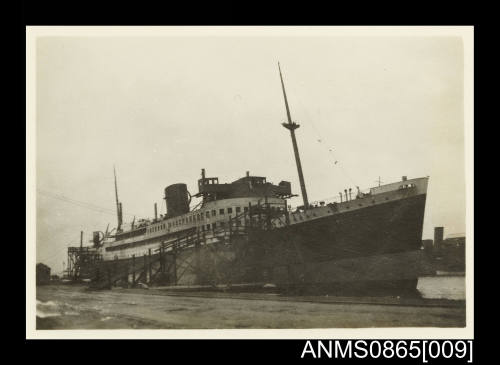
431	287
442	287
73	307
54	309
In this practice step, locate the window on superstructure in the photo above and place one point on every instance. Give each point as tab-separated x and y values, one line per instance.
198	217
229	210
208	227
221	211
245	209
238	209
214	225
207	214
214	213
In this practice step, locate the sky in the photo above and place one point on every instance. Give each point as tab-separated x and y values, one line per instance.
161	108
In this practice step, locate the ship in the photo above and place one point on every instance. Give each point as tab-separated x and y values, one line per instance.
244	235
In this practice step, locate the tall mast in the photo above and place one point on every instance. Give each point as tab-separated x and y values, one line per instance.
118	204
292	126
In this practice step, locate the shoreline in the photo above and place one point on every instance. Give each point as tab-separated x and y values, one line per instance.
75	307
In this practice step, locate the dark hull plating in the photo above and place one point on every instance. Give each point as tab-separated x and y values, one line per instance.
373	250
365	250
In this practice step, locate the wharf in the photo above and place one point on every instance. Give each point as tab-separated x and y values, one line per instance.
76	307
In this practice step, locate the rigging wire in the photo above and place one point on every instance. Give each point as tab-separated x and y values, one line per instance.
79	203
336	161
53	256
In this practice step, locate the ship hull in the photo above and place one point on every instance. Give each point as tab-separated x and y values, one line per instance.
369	251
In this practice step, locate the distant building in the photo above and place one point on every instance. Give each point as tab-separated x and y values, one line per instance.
427	246
438	237
455	240
445	255
453	252
42	274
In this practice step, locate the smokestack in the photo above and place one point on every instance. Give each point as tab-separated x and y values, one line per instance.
248	173
350	198
81	240
96	238
345	191
340	196
156	212
202	173
438	237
